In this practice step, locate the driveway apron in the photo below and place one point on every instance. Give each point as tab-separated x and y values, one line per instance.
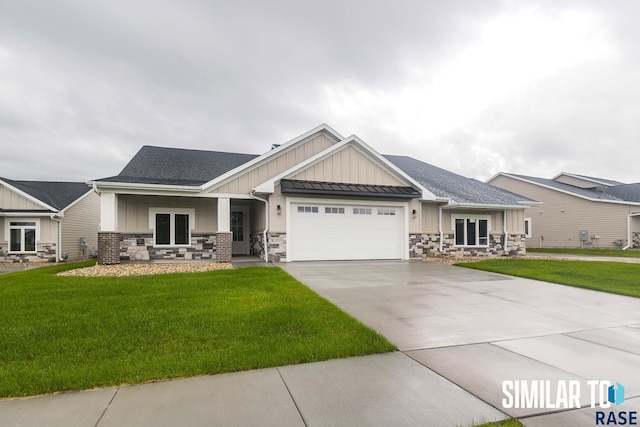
478	329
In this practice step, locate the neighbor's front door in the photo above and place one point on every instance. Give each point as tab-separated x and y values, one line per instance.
239	217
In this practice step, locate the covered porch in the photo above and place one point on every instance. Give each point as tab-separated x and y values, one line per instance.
153	227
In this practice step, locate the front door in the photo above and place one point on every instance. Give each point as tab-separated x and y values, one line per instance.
240	232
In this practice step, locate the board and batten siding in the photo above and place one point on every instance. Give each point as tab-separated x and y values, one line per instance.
11	200
133	212
348	165
244	183
557	222
81	220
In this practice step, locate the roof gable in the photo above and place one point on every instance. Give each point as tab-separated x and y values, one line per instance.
53	196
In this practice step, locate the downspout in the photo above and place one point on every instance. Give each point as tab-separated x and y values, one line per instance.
95	188
59	243
440	227
504	227
629	242
266	226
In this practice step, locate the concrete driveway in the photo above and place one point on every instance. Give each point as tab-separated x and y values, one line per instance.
477	329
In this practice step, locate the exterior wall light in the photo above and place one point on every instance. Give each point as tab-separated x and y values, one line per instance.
414	212
279	209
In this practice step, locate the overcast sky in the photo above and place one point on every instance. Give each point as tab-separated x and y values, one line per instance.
475	87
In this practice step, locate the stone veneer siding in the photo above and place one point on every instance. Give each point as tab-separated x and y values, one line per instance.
428	244
636	241
206	246
257	245
277	243
109	247
45	252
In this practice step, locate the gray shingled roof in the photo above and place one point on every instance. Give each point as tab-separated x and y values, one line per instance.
618	193
177	166
58	195
460	189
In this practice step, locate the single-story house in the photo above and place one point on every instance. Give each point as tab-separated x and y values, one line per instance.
320	196
47	221
577	211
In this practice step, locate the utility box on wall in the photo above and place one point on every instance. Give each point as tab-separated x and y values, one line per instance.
584	235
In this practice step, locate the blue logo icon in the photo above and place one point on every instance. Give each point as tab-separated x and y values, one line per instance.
616	395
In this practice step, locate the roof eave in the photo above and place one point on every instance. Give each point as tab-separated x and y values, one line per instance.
136	186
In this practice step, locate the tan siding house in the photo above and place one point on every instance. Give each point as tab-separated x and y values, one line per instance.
319	196
44	221
577	211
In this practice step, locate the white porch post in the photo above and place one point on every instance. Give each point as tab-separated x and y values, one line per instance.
223	236
108	211
224	214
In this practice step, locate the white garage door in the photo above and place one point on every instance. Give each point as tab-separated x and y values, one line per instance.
345	232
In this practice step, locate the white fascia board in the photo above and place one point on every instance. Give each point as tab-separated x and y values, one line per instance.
268	187
482	206
113	186
261	159
595	181
580	196
28	196
28	214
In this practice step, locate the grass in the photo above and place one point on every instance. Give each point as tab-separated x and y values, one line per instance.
613	277
72	333
630	253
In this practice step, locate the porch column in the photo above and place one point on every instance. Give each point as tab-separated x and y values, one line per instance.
108	237
223	236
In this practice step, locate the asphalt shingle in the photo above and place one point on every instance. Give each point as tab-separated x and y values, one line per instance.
58	195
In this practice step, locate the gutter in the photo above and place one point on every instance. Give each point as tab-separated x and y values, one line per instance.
59	243
266	225
504	227
629	242
440	227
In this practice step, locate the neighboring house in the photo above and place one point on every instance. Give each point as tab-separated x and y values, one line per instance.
319	196
577	210
47	221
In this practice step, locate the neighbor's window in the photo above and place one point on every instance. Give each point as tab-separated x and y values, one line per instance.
22	236
471	231
172	228
527	227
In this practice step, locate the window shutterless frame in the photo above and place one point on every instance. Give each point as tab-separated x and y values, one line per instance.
471	230
171	227
23	235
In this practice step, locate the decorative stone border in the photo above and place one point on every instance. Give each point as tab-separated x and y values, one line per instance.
421	245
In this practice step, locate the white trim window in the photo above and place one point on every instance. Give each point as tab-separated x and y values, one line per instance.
471	230
171	227
527	227
23	235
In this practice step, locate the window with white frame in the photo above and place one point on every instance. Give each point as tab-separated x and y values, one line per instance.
362	211
386	211
307	209
471	230
23	235
171	227
329	210
527	227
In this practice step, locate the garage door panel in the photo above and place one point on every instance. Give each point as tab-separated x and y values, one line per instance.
344	236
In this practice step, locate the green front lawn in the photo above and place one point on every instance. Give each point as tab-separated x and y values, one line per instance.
614	277
629	253
71	333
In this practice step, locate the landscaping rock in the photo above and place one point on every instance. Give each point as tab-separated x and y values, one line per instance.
119	270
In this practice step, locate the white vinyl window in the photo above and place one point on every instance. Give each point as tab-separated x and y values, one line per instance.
23	235
334	210
527	227
171	227
471	230
307	209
